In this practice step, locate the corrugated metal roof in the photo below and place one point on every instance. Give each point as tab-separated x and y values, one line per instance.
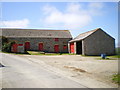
8	32
84	35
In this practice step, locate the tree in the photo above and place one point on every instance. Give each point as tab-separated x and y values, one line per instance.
6	44
4	39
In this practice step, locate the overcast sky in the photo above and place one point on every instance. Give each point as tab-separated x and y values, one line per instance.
77	17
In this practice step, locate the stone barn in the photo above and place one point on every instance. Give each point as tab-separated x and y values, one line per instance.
95	42
40	40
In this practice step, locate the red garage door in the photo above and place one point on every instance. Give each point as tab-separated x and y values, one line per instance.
14	47
27	45
72	47
56	48
40	47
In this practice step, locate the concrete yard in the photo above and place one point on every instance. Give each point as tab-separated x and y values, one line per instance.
59	71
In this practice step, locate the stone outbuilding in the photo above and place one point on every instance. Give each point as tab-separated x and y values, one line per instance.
55	41
95	42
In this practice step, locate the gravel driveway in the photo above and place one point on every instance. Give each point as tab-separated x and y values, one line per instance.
90	71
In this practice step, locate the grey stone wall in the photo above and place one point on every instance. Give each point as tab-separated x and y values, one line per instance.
0	44
48	43
97	43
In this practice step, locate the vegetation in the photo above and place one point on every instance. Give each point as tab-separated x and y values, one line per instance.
6	45
116	78
118	50
114	56
4	40
35	53
43	53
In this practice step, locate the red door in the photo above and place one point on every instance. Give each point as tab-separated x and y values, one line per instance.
41	46
72	47
56	48
14	47
27	45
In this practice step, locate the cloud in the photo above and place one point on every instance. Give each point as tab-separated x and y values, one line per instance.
95	8
74	16
96	5
15	23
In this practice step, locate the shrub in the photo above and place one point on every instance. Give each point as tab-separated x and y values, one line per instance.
6	47
4	40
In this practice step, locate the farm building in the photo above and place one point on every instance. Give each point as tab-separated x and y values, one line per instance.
95	42
39	40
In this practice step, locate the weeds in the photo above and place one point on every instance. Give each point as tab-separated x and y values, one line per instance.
116	78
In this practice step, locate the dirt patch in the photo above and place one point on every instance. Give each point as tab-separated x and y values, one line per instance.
75	69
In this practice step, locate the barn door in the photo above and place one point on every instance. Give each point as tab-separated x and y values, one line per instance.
72	47
40	46
27	45
56	48
14	48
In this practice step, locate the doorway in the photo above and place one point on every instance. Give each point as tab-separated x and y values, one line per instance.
27	45
40	47
72	47
56	48
79	47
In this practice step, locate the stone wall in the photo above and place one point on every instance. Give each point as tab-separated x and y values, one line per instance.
0	44
48	43
97	43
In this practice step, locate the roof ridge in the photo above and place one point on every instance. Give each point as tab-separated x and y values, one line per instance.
36	33
91	31
88	32
33	29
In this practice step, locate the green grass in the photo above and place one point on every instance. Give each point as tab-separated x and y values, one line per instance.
114	56
35	53
106	58
38	53
116	78
89	56
42	53
15	53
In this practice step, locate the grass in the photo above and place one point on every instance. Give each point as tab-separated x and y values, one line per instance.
15	53
89	56
114	56
116	78
42	53
35	53
38	53
106	58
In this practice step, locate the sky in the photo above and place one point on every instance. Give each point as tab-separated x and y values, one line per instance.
78	17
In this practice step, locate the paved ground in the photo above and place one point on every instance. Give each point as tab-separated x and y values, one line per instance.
89	71
63	71
21	72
